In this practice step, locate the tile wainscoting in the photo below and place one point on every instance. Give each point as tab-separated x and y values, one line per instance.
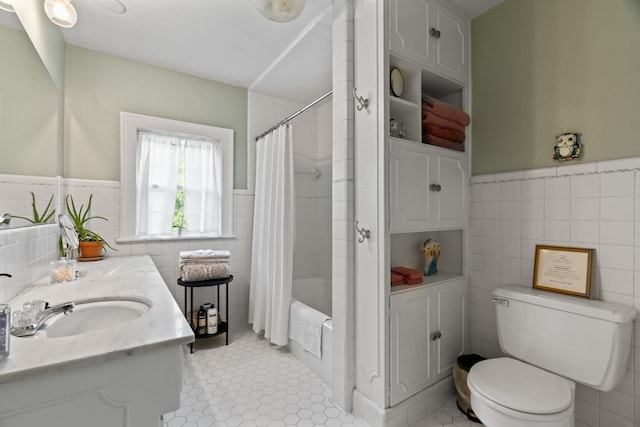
590	205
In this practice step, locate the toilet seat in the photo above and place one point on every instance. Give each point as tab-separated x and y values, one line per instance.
520	387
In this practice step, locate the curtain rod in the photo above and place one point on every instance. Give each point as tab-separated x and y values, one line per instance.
300	111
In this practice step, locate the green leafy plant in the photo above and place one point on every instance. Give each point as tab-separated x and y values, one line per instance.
39	218
80	216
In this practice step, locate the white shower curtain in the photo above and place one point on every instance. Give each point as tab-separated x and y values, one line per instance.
273	236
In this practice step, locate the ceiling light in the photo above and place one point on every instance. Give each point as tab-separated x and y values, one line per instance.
115	6
61	12
280	10
6	5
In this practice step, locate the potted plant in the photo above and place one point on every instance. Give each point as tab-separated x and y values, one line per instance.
91	243
39	218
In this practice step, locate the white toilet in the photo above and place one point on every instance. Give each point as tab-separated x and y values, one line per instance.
558	339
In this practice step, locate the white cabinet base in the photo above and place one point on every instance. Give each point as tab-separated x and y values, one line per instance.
129	391
427	334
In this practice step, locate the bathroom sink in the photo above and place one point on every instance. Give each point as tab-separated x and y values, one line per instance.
93	315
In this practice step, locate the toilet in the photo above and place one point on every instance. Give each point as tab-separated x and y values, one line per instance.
555	340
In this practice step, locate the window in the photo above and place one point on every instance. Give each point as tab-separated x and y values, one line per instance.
176	179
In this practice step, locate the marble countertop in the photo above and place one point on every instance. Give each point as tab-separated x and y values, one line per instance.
163	325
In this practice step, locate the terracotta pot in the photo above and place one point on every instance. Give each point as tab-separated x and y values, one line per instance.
90	249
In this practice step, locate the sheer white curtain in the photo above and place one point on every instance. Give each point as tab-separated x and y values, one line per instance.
203	186
273	236
157	178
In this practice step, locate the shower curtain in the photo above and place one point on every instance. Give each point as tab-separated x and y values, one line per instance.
273	236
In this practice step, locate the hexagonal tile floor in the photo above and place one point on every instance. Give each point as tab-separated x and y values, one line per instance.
253	383
446	415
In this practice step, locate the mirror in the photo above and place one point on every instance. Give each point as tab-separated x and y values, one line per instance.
31	111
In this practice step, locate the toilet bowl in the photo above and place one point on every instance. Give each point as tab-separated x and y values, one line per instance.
509	393
554	340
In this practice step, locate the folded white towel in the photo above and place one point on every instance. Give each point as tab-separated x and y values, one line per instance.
305	327
205	254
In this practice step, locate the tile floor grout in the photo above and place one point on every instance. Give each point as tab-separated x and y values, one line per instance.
253	383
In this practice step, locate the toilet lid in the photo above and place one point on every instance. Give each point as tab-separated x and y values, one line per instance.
521	387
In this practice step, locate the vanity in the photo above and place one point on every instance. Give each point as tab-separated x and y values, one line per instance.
125	374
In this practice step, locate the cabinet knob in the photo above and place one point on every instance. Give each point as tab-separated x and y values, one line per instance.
435	187
434	33
435	335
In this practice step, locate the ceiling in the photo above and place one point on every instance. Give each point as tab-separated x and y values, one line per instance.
222	40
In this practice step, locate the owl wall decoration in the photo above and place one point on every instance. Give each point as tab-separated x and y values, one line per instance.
431	251
567	146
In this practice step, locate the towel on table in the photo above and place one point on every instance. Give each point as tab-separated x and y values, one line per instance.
446	110
441	142
431	118
205	254
196	272
204	264
450	134
305	327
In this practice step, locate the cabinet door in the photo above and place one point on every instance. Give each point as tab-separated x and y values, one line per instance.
408	30
451	44
410	358
451	176
450	299
409	178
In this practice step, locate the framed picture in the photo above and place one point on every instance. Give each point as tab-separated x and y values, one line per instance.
562	269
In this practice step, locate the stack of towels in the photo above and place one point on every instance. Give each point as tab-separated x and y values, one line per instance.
204	264
405	276
443	124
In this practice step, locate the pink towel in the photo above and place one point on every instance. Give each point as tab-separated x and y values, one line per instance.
408	273
396	279
441	142
446	110
433	119
450	134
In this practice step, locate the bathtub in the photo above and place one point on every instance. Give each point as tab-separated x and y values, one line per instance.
315	292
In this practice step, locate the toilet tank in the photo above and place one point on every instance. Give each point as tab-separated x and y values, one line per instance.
584	340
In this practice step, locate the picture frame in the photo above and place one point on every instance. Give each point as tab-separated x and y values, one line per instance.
562	269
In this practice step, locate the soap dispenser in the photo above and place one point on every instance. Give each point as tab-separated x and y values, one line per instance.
5	330
5	327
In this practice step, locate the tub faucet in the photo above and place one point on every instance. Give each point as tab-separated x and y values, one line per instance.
5	219
41	318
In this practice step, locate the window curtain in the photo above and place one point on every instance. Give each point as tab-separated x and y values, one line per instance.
203	186
273	236
156	178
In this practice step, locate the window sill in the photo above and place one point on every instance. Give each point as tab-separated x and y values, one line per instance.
173	238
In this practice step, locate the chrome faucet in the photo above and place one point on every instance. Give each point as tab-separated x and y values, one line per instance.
41	318
5	219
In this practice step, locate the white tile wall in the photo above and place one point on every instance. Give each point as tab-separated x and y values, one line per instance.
594	205
25	253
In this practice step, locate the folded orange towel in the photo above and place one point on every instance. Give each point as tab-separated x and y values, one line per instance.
408	273
397	279
450	134
413	281
431	118
446	110
441	142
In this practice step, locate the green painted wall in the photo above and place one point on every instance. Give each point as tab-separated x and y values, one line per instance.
28	109
100	86
544	67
